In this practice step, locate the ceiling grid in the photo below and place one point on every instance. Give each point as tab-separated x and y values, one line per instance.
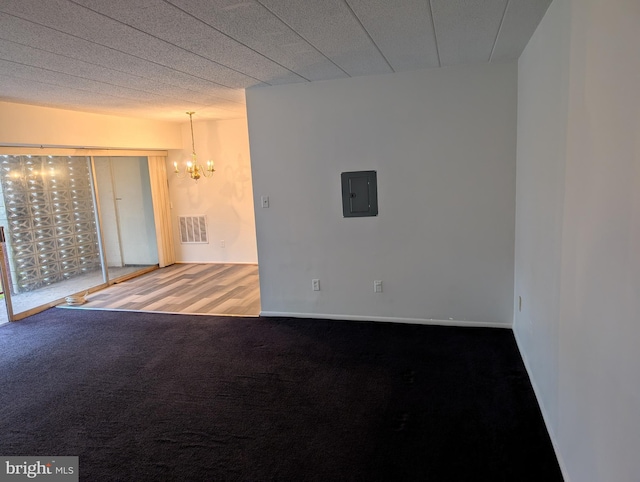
495	42
306	41
159	58
368	35
33	35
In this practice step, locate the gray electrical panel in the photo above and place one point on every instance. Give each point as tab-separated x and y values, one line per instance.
359	194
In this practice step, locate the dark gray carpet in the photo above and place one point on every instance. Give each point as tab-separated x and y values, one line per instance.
143	396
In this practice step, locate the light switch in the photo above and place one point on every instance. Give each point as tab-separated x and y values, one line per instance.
265	201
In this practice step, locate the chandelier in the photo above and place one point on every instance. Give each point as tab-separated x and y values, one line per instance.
193	169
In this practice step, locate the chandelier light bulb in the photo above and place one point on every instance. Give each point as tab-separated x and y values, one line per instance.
193	169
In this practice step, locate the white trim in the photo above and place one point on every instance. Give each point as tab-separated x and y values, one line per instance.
78	151
545	415
413	321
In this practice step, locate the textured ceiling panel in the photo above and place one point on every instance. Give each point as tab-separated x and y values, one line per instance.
160	58
75	82
46	93
37	58
55	44
49	95
88	25
403	31
254	26
520	21
94	94
466	29
332	28
164	21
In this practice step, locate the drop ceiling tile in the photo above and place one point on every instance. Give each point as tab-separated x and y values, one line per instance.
332	28
62	54
164	21
520	21
466	29
201	113
23	55
65	91
55	43
35	92
403	31
75	83
85	24
251	24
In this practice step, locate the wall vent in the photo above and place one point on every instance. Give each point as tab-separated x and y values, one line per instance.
193	229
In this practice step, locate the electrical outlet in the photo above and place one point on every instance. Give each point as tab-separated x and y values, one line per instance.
222	243
377	286
315	284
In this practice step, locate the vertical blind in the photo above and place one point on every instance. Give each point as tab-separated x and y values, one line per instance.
162	210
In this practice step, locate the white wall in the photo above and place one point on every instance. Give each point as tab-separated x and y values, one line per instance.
136	224
108	211
27	125
443	144
542	144
226	199
577	256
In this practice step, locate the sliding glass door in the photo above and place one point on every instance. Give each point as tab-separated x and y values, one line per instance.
126	214
51	207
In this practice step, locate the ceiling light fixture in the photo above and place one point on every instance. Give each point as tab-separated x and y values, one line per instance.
193	169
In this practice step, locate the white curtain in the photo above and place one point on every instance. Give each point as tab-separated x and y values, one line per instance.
162	210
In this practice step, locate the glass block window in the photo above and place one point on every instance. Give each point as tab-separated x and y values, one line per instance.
49	218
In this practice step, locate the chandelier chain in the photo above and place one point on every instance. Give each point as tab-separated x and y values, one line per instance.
193	142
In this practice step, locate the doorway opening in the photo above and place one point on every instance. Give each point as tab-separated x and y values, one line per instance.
126	214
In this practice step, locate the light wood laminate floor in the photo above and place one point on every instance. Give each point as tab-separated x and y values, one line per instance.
212	289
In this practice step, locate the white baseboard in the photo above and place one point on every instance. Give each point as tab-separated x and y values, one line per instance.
545	415
385	319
